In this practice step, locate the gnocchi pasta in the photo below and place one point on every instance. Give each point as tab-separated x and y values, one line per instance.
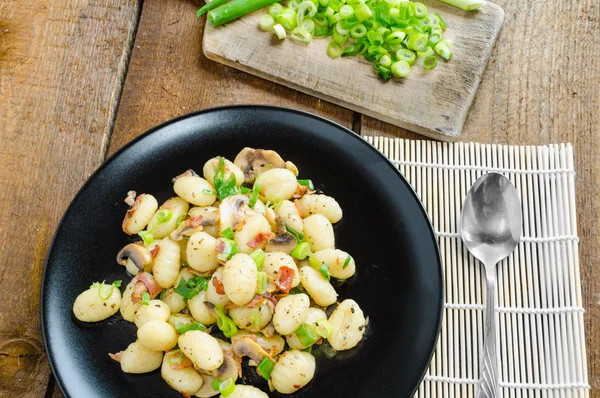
245	252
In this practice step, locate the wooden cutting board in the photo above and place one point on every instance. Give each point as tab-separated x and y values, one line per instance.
433	103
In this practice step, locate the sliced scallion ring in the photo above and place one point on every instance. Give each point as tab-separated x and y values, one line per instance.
266	22
279	31
301	35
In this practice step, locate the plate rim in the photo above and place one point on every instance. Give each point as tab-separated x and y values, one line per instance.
235	107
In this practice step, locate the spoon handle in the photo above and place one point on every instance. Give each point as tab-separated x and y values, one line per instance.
489	363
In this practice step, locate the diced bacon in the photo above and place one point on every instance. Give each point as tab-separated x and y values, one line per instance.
154	251
144	282
219	288
260	238
116	356
285	279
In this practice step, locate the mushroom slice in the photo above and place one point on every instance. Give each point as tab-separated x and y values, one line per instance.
246	346
233	210
284	243
254	162
187	173
269	330
136	253
230	368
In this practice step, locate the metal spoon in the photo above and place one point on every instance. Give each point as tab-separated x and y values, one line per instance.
491	229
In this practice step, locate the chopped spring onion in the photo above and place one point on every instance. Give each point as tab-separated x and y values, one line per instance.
228	233
309	25
322	32
147	237
323	328
375	38
324	269
346	11
338	38
443	50
400	69
226	387
265	368
230	248
406	10
383	72
163	215
385	61
307	183
224	323
301	251
259	258
363	12
279	31
441	20
424	54
209	192
190	326
340	29
358	31
215	384
298	235
406	55
256	188
417	41
261	284
225	185
189	288
328	351
287	19
420	10
145	298
266	22
320	20
209	6
175	357
306	8
346	262
235	9
306	334
275	10
335	18
293	4
467	5
105	291
395	37
353	50
435	37
430	62
329	12
301	35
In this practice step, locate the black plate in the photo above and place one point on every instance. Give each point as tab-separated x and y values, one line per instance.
385	228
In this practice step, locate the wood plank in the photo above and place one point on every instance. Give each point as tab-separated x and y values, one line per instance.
433	103
169	76
61	69
541	87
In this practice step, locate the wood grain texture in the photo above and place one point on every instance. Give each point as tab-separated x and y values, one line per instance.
169	76
541	87
61	68
434	103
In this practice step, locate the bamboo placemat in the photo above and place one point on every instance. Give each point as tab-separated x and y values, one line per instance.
541	342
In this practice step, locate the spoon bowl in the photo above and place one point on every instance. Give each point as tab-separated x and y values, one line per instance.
491	229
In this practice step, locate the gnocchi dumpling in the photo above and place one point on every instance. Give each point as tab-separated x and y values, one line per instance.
166	264
183	379
239	279
317	286
320	204
318	232
157	335
140	214
201	252
228	167
341	264
313	317
202	349
347	325
155	310
139	359
277	184
290	313
164	221
195	190
97	303
243	391
293	370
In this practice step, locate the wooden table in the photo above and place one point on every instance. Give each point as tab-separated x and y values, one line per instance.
80	78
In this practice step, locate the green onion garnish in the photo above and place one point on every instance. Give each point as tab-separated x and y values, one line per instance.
306	8
287	19
301	34
225	185
266	22
189	288
147	237
328	351
324	269
333	49
306	334
443	50
190	326
145	298
279	31
215	384
103	289
275	10
307	183
265	368
254	197
406	55
228	233
258	255
363	12
224	323
226	387
400	69
301	251
346	262
175	357
298	235
323	328
261	285
209	192
430	62
230	248
163	215
255	318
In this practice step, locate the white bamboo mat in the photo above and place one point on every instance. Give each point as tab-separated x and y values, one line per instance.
541	342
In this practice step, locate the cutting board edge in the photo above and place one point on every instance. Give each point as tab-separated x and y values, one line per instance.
450	136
